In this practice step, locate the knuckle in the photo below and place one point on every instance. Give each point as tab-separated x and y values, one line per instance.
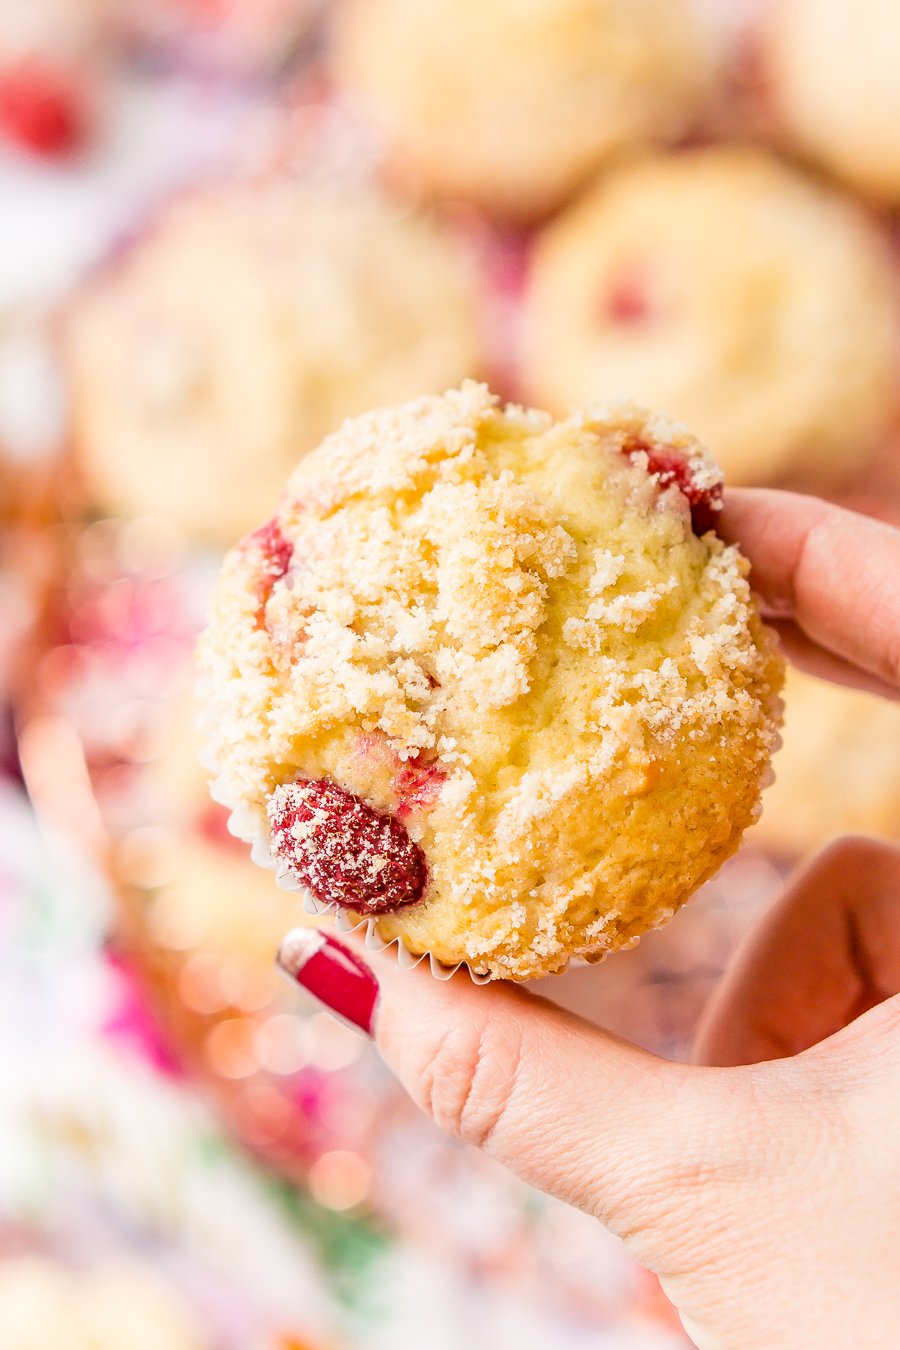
470	1077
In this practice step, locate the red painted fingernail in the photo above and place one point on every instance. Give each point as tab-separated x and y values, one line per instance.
332	973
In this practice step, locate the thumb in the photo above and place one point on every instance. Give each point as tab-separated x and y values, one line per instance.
575	1111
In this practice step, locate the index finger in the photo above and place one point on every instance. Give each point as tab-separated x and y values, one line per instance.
836	574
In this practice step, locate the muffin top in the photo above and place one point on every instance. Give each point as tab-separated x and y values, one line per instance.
248	322
731	292
510	104
492	679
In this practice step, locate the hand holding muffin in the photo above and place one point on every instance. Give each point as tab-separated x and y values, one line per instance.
764	1197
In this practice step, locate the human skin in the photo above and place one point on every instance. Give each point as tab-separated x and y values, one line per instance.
762	1183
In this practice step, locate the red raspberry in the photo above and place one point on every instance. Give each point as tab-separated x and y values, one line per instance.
343	850
42	108
277	552
670	467
417	784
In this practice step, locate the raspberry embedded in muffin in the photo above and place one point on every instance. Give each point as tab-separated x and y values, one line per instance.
701	488
343	850
513	707
417	784
276	553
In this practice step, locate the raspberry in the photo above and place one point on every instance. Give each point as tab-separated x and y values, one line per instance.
277	552
417	784
670	468
343	850
42	108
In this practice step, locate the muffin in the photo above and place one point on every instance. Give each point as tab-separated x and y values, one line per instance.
731	292
246	324
839	769
492	682
832	70
511	106
118	1303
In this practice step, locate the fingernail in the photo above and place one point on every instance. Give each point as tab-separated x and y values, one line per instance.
332	973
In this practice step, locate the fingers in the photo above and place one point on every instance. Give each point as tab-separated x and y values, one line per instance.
575	1111
827	951
832	572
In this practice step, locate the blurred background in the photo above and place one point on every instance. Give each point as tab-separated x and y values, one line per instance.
225	225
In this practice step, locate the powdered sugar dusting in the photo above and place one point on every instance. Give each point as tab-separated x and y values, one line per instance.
344	850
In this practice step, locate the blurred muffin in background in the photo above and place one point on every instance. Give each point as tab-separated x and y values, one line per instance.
246	325
238	37
834	76
734	294
837	772
511	105
116	1303
53	59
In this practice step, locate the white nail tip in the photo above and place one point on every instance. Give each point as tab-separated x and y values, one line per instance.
297	947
